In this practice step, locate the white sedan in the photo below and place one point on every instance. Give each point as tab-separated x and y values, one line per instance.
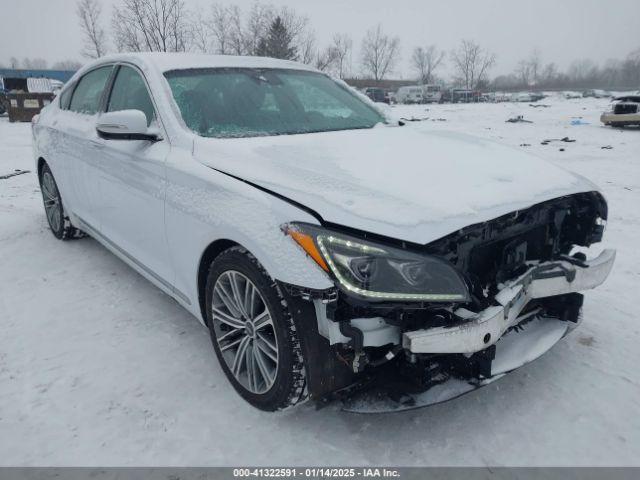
326	247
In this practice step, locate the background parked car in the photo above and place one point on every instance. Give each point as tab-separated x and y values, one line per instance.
596	94
625	112
501	97
431	93
410	94
463	95
521	97
376	94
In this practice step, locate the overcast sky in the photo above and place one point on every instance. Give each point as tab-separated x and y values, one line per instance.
562	30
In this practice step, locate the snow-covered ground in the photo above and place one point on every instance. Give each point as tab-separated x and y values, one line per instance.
98	367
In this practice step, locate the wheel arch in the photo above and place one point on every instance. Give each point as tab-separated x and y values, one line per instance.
209	254
40	164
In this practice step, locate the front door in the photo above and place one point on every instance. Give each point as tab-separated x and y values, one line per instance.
132	183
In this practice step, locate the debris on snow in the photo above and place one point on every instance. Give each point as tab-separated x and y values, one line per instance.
13	174
564	139
518	119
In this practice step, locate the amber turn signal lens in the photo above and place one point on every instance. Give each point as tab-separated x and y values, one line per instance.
309	246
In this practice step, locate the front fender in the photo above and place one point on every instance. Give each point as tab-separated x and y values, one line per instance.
203	205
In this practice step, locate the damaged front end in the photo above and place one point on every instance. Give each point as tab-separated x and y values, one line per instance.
411	325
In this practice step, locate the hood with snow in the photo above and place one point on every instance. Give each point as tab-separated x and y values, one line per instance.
405	183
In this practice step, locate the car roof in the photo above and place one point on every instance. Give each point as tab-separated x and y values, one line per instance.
164	62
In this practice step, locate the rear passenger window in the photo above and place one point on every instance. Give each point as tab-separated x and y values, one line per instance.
86	96
129	92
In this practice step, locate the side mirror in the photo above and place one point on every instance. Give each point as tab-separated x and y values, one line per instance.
125	125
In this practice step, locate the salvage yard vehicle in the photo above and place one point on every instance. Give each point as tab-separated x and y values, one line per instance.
595	93
624	112
431	93
331	251
377	95
522	97
569	95
410	95
463	95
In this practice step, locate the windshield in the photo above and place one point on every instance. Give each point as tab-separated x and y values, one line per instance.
247	102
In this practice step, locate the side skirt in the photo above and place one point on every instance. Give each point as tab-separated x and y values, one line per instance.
146	272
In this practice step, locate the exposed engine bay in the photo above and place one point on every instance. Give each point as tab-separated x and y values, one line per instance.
522	276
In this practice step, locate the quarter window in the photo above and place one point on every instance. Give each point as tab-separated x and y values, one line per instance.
87	95
130	92
65	98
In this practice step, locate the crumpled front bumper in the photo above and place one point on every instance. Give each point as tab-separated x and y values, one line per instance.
477	331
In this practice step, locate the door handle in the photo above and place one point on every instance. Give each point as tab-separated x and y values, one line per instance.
97	144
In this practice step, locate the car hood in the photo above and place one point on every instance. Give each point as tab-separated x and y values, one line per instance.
408	183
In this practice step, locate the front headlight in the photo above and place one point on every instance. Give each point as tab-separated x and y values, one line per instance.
379	272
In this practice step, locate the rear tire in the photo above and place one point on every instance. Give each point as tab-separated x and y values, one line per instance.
59	222
253	333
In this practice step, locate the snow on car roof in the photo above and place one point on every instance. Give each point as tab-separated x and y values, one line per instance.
165	62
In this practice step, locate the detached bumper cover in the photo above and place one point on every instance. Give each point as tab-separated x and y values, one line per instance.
478	331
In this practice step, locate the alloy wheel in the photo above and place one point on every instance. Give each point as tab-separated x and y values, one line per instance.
244	331
51	201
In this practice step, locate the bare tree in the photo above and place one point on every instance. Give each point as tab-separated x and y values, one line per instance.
631	68
200	34
472	63
34	63
220	26
14	63
326	59
151	25
549	73
523	72
307	50
583	72
342	46
259	19
239	32
237	40
95	39
535	65
425	62
611	73
379	53
127	33
529	71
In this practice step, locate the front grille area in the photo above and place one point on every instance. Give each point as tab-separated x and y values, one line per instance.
625	108
491	252
498	260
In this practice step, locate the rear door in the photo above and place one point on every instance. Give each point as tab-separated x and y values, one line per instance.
77	125
132	181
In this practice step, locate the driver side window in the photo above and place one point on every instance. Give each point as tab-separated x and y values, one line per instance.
130	92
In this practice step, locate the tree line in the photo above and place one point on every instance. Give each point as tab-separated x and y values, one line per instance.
533	72
266	30
280	32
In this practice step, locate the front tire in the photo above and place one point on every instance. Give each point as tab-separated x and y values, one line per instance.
253	333
59	222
